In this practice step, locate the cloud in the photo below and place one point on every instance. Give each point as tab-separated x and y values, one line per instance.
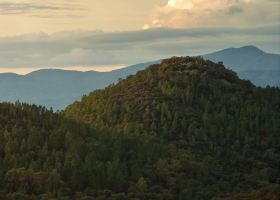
235	10
24	7
90	48
199	13
75	56
204	5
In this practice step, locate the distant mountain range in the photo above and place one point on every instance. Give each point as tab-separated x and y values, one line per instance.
58	88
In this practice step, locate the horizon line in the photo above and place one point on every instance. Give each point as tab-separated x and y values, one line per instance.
28	70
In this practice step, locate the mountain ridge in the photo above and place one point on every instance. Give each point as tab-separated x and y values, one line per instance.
246	58
57	88
248	48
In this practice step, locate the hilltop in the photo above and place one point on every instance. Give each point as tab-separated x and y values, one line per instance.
178	96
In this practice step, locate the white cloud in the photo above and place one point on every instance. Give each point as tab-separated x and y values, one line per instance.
205	5
195	13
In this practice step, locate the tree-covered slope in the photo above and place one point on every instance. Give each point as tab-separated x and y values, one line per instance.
193	105
185	98
270	192
45	156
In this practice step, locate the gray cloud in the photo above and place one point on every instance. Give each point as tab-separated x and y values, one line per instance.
8	8
234	10
55	16
101	48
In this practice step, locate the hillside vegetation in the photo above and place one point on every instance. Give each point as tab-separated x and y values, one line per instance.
189	99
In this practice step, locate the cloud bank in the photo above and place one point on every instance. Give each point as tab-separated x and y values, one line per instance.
89	48
8	8
176	27
39	9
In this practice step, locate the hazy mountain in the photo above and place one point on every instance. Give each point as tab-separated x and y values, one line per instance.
58	88
250	63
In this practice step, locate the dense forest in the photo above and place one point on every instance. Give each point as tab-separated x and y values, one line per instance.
183	129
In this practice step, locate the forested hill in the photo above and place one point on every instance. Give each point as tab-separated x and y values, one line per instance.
183	129
46	156
185	98
228	125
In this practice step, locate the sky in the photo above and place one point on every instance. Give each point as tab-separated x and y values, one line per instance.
109	34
